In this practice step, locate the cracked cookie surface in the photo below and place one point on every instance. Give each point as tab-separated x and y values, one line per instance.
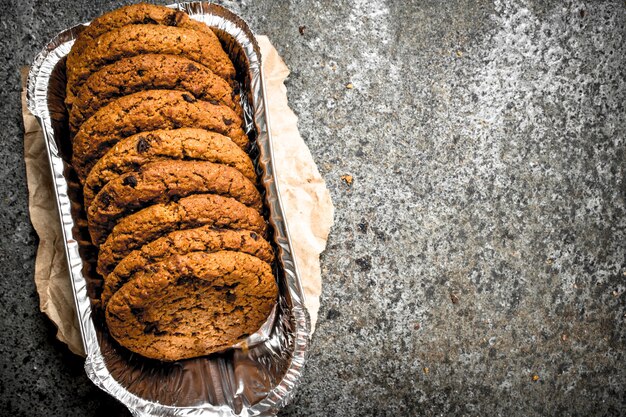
150	223
160	182
202	239
145	111
179	144
141	13
133	40
150	71
192	305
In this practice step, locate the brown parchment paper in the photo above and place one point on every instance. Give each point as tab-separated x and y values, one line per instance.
306	204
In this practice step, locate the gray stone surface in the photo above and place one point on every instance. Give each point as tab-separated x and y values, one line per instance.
482	242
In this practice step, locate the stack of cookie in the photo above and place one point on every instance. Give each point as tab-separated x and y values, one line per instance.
169	189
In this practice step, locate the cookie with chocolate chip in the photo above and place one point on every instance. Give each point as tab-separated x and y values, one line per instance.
132	153
192	305
181	242
141	13
150	223
149	72
132	40
160	182
145	111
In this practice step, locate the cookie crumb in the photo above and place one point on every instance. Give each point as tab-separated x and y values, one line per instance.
347	179
454	298
349	86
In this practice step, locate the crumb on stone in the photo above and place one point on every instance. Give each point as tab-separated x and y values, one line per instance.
454	298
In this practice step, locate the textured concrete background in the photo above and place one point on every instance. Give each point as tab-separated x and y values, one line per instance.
477	265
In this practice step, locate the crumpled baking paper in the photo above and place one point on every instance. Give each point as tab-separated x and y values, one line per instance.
306	203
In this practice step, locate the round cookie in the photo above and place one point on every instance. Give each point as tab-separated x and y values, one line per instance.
182	242
152	222
160	182
179	144
149	72
133	40
145	111
141	13
192	305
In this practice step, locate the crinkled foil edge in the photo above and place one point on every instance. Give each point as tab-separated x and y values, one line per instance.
293	296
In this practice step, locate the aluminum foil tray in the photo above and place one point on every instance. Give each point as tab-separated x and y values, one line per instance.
256	379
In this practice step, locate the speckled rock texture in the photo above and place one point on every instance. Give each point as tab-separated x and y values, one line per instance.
477	263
